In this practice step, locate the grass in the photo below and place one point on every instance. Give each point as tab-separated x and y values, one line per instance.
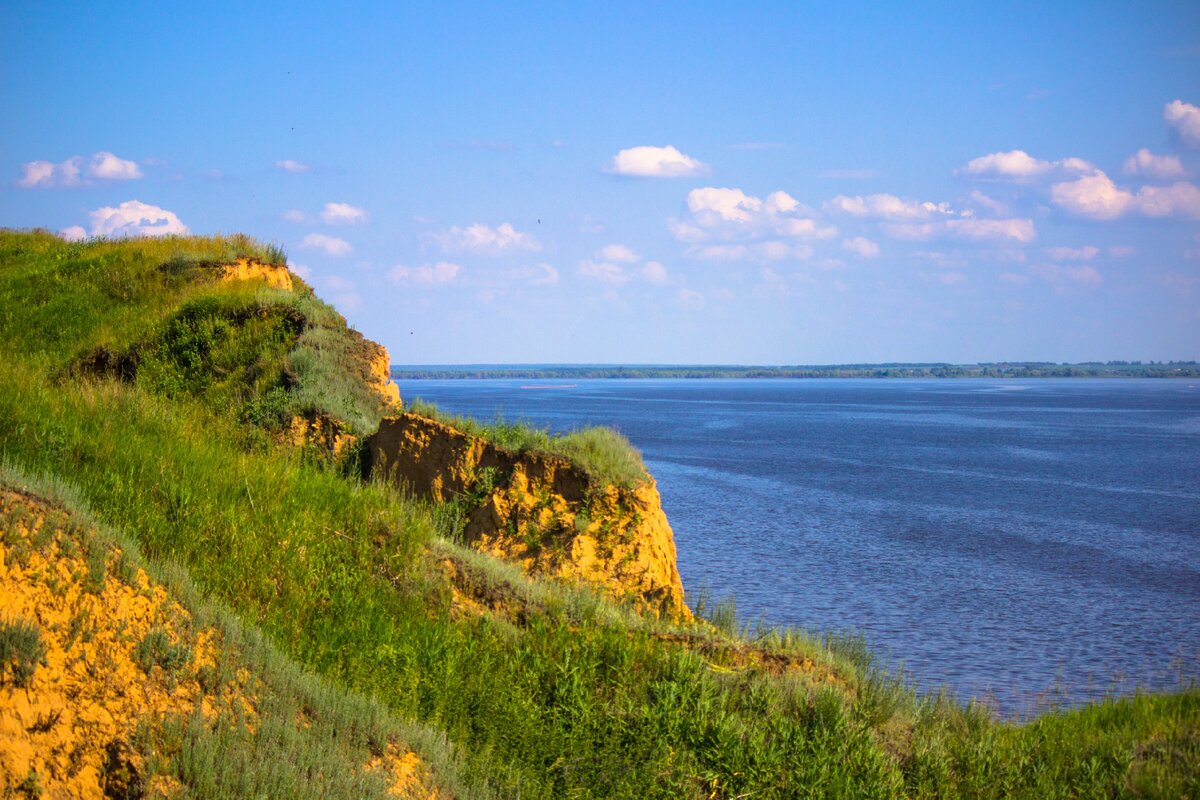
571	697
21	651
603	453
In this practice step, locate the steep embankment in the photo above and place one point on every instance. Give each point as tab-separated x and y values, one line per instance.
110	686
539	510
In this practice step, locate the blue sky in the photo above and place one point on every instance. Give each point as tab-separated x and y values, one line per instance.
704	183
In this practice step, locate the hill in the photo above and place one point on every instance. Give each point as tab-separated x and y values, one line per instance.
205	415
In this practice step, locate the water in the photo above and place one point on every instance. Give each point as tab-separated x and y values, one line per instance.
1020	541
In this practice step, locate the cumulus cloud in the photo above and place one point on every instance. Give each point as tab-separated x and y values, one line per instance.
74	233
135	218
484	240
1098	197
969	228
722	215
1020	166
103	166
1149	165
330	244
654	272
861	246
295	215
1184	119
426	274
655	162
106	166
343	214
1086	253
887	207
603	271
288	165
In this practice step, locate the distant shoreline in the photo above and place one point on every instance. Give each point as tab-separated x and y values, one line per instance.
1111	369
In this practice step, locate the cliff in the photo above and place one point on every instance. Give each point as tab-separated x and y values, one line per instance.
541	511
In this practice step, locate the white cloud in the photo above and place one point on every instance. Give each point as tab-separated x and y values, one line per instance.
617	252
343	214
887	207
1147	164
106	166
603	271
1085	253
1177	200
1092	196
330	244
1184	119
1121	251
295	215
1020	230
758	251
655	162
426	274
952	278
654	272
988	204
1020	166
75	233
730	215
102	166
1014	278
1084	275
135	218
288	165
36	173
301	270
483	240
1097	197
861	246
690	298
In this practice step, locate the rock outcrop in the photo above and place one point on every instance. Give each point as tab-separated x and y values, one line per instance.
541	511
277	276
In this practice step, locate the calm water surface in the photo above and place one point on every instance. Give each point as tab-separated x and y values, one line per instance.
1017	540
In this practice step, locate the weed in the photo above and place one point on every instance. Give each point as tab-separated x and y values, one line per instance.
156	649
21	651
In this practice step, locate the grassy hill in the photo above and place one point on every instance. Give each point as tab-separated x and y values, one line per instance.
155	388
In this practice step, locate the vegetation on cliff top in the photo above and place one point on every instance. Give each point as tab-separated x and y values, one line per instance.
544	691
603	453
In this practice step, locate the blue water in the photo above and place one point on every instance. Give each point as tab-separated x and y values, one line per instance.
1023	542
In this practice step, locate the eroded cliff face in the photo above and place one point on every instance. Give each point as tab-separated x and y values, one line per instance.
274	275
540	511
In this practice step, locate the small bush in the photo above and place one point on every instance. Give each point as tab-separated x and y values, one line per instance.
156	649
21	651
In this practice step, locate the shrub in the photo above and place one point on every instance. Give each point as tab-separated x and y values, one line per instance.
21	651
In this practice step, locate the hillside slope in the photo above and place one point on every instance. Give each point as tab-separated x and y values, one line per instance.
164	393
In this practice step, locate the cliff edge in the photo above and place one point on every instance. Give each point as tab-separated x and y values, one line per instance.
541	511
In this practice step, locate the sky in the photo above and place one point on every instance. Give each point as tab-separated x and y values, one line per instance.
718	183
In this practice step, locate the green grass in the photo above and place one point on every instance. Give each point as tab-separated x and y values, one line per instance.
571	697
603	453
21	651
